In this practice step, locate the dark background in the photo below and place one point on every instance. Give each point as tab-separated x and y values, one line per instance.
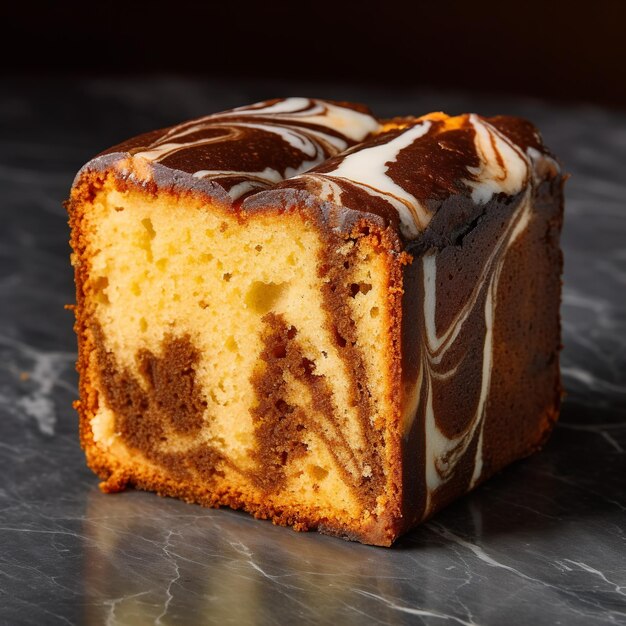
564	51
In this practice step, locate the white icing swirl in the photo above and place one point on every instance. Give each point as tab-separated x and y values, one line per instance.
368	168
299	122
253	180
353	124
503	168
443	452
503	165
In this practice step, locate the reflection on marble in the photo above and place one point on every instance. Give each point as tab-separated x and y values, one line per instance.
544	542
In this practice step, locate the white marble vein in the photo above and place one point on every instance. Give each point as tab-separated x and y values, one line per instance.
173	580
417	612
111	617
44	375
620	589
599	429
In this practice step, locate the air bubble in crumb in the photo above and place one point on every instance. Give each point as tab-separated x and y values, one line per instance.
356	288
374	311
261	297
143	325
147	224
231	344
317	472
100	286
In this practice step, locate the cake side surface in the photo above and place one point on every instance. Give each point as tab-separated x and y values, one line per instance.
485	388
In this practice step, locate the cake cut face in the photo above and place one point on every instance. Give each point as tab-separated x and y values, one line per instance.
327	320
216	356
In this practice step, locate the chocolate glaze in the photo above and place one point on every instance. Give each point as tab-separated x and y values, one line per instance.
326	149
406	175
254	147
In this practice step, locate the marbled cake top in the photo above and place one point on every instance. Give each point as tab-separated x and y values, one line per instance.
404	174
339	154
254	147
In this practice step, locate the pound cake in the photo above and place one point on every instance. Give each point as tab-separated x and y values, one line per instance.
325	319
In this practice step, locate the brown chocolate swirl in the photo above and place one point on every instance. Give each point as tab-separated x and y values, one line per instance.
404	175
254	147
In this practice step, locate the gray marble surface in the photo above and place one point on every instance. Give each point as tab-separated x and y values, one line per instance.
542	543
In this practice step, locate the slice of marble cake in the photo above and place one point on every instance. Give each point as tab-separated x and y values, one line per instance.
295	309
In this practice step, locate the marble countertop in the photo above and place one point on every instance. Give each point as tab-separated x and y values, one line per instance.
544	542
